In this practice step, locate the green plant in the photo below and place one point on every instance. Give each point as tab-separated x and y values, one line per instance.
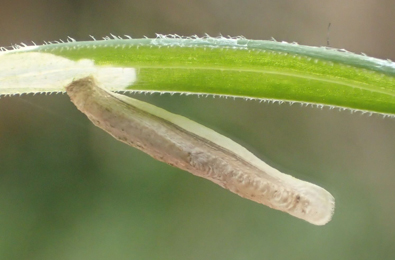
236	67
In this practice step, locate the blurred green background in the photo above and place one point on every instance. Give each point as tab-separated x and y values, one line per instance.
70	191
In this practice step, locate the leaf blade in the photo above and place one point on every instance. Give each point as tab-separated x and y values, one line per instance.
245	68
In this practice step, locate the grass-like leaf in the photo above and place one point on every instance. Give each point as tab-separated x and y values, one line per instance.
219	66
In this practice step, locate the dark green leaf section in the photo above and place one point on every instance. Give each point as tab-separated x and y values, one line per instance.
246	68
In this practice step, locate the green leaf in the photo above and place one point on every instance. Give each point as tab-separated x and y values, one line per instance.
234	67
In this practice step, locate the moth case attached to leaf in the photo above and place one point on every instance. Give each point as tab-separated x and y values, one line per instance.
185	144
